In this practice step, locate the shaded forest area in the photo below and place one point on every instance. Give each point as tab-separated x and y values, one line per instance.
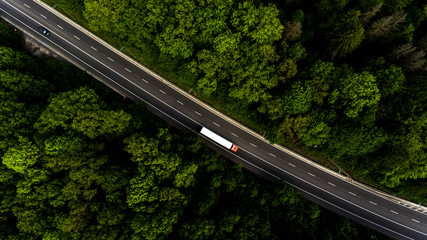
79	162
345	79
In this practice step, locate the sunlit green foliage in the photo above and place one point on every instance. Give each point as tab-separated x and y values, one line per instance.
79	163
22	156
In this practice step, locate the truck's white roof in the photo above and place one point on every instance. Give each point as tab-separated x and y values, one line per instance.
216	138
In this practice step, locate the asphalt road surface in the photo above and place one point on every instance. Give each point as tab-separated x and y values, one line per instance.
108	65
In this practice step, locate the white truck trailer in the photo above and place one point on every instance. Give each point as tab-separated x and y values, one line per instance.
218	139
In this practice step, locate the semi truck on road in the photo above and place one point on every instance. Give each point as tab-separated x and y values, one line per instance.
218	139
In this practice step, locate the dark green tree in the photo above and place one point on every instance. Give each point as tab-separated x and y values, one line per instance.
347	35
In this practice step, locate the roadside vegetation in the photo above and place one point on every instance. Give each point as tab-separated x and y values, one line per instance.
339	81
79	162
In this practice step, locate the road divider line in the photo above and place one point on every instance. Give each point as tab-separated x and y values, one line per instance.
118	84
234	134
311	174
101	73
76	37
291	165
394	212
144	80
110	59
198	113
59	26
48	8
94	48
43	16
331	184
354	194
272	155
341	198
180	102
162	91
253	144
128	70
216	124
166	104
27	5
415	220
373	203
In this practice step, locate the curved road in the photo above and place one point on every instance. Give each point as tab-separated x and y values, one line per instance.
134	81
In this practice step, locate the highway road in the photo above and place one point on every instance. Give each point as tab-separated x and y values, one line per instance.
134	81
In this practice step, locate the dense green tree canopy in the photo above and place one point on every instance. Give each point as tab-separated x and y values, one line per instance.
342	80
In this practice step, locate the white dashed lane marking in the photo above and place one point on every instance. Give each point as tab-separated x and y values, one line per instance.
291	164
162	91
234	134
394	212
415	220
253	144
43	16
94	48
180	102
27	5
311	174
76	37
128	70
198	113
272	155
146	82
373	203
59	26
331	184
216	124
111	59
352	193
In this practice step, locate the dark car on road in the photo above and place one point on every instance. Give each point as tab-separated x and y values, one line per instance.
44	31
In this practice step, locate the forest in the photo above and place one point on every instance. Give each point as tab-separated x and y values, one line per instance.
79	162
344	79
341	79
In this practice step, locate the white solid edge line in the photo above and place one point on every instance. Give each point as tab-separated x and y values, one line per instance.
190	118
345	210
118	84
278	178
102	42
271	174
367	210
127	89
